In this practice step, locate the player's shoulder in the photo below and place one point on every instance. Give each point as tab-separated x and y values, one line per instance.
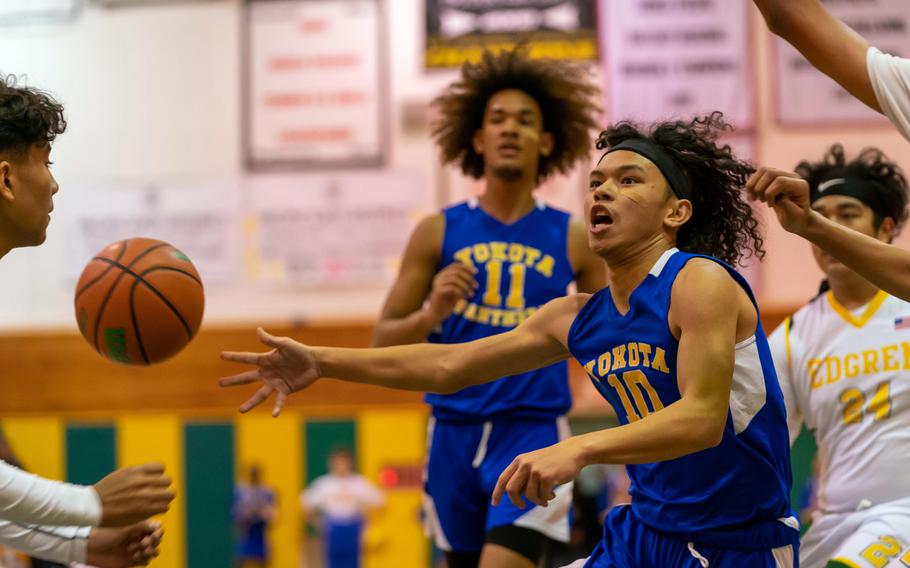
703	277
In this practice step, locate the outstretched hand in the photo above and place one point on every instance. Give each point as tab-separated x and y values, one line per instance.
289	367
784	191
536	474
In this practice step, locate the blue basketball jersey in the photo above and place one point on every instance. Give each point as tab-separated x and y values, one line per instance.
735	495
520	267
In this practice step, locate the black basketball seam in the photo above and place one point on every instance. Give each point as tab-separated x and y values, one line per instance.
173	269
139	278
163	298
145	356
110	291
103	274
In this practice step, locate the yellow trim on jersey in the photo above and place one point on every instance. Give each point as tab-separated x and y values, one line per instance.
864	318
787	324
846	562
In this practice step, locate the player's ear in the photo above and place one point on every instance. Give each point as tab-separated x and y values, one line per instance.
546	143
477	141
6	184
886	230
680	211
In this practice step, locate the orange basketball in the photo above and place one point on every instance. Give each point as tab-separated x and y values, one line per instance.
139	301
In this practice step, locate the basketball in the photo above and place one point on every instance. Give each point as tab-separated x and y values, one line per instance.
139	301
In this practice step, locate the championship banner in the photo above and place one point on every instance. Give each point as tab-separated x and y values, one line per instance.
678	59
459	30
314	85
806	96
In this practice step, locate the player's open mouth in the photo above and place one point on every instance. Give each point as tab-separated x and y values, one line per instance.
600	218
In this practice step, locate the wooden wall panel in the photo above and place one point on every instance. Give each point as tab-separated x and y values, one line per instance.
60	373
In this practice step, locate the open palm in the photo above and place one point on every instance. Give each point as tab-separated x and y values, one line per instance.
288	367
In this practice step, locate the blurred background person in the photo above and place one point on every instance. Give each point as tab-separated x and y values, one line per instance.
254	508
338	503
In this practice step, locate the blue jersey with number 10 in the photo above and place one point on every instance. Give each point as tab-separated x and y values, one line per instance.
735	495
520	267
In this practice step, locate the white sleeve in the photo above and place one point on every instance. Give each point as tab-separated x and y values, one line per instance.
890	78
29	499
56	544
313	496
782	354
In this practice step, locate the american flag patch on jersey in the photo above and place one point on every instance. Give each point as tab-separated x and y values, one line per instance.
902	323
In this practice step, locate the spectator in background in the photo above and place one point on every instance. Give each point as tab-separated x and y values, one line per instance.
254	508
337	504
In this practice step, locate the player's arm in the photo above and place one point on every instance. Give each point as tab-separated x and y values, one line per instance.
691	424
590	270
102	547
291	366
126	496
781	345
406	317
883	264
829	44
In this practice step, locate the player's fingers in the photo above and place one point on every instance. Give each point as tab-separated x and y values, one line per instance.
151	468
546	492
244	378
268	339
280	397
465	279
516	486
501	482
762	180
531	489
258	397
243	357
777	189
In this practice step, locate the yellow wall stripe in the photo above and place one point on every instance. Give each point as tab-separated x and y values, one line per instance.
159	438
393	438
274	444
39	443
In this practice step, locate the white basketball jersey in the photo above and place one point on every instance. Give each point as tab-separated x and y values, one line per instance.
846	374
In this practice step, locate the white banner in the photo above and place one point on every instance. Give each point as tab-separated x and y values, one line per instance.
199	218
329	229
678	59
314	82
805	96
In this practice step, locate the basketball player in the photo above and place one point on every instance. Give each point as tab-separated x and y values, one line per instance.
879	80
29	122
480	268
844	369
674	344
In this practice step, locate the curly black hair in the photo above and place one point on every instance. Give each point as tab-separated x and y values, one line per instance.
27	116
872	165
567	97
723	224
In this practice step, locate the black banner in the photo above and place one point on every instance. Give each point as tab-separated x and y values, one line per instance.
459	30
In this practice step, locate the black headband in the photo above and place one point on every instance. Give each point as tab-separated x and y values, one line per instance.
864	190
676	178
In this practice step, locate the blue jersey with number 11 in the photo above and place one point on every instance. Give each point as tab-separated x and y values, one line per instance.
520	267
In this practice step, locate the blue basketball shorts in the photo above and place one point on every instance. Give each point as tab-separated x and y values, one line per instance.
628	543
464	462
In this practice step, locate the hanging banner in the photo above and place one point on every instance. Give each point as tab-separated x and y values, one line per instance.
314	88
678	59
344	229
806	96
199	218
459	30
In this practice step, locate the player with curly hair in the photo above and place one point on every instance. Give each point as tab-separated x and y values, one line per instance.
70	515
843	367
674	344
